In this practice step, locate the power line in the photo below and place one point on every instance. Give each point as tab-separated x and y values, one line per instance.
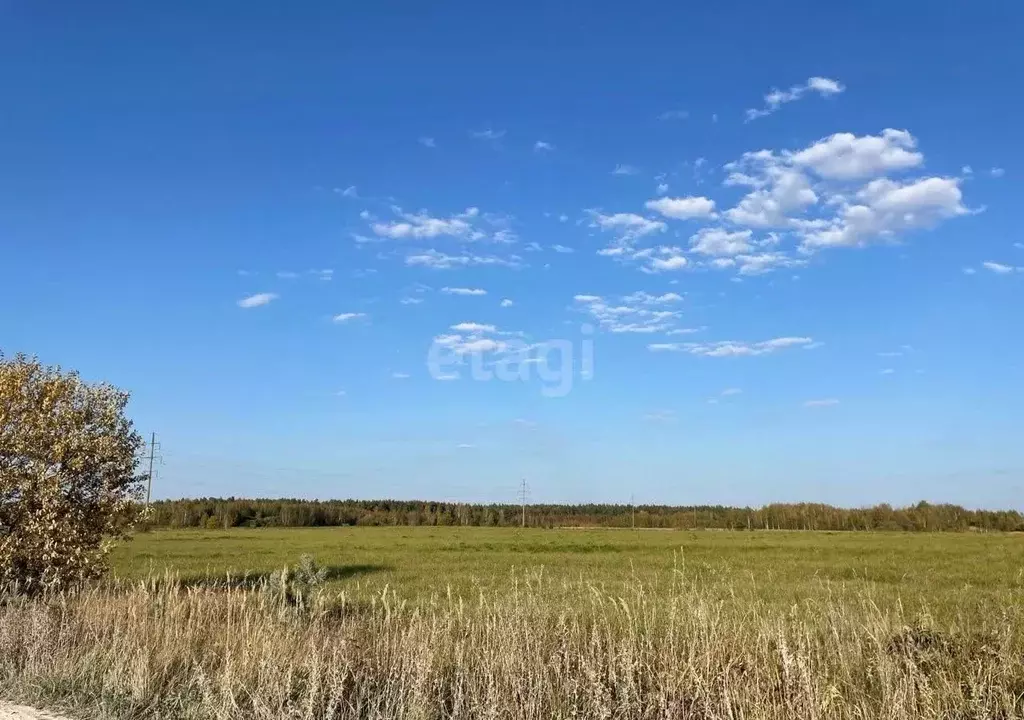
153	457
524	494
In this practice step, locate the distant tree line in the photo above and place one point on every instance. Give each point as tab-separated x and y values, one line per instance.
236	512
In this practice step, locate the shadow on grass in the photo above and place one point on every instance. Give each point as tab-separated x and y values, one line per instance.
254	580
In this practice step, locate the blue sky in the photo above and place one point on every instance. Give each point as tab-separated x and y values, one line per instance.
787	239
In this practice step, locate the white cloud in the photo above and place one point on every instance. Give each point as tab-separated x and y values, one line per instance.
884	208
286	274
257	300
562	249
442	261
666	264
997	172
563	218
828	212
721	242
731	391
346	317
541	146
428	142
506	303
760	263
400	375
417	226
683	208
632	314
826	402
732	348
887	371
626	170
644	298
778	191
674	115
844	156
628	224
969	271
662	188
476	338
411	301
627	228
998	268
488	134
777	98
661	416
472	327
463	291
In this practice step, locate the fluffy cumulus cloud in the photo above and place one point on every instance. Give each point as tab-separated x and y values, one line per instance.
885	208
844	156
777	98
683	208
418	226
835	192
718	241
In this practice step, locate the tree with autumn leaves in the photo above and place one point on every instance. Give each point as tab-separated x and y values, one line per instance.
68	475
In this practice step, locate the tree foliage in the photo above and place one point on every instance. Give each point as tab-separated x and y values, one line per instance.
240	512
68	456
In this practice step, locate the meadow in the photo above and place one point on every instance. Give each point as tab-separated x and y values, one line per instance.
937	571
470	623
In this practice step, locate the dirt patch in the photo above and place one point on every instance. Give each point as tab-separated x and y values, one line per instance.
20	712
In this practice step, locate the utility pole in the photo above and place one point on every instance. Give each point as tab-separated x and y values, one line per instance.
524	491
152	458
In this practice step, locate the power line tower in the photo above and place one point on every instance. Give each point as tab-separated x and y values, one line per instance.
524	494
152	458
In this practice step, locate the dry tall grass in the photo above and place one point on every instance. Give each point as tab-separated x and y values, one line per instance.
163	650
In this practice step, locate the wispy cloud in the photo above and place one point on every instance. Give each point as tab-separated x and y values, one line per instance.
506	303
463	291
444	261
488	134
348	317
257	300
428	142
733	348
541	146
999	268
825	402
626	170
674	115
777	98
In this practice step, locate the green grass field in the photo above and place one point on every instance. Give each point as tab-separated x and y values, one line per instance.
935	571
